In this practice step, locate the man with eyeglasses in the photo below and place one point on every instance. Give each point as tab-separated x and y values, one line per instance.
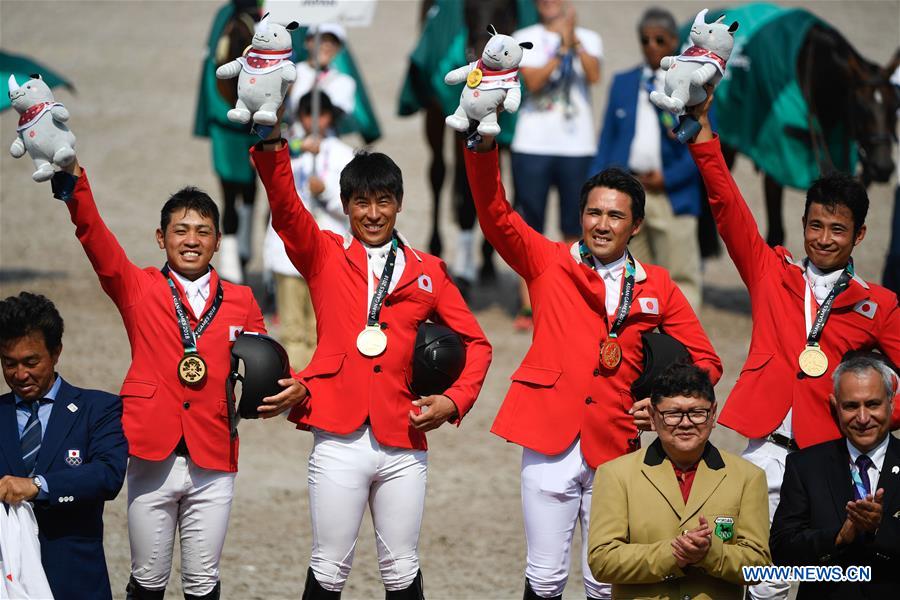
637	136
679	483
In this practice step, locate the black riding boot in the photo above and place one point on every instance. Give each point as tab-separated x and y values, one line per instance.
134	591
315	591
531	595
415	591
213	594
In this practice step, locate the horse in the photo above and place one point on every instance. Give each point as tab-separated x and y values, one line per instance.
478	15
849	98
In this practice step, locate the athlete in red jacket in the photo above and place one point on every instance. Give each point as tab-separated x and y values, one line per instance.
181	322
570	404
807	314
370	291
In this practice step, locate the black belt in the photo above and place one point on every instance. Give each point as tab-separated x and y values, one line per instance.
783	441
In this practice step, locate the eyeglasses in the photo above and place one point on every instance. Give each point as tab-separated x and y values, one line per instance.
697	416
658	40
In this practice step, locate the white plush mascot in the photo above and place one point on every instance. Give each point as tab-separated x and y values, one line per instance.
491	81
42	130
264	73
702	63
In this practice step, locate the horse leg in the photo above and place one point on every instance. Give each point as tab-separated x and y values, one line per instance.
245	221
464	209
437	170
229	262
774	224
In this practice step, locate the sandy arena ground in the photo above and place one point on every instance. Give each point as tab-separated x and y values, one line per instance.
136	66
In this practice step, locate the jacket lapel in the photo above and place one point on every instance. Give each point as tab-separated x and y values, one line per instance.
356	256
837	473
62	417
9	436
658	470
411	271
706	481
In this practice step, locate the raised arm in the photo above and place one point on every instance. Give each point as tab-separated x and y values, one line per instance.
524	249
889	343
306	245
123	281
734	220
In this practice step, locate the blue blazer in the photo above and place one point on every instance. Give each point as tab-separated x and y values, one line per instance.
682	179
87	423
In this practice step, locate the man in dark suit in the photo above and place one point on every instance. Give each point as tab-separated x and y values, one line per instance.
840	500
61	447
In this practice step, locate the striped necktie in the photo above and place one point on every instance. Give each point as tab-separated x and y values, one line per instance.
31	438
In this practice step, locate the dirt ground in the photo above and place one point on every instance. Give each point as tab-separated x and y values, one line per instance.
136	68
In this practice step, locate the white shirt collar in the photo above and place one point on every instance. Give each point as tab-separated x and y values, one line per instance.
818	277
876	454
197	286
612	271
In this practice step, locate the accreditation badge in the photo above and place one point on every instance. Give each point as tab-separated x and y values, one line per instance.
813	361
191	369
371	341
474	78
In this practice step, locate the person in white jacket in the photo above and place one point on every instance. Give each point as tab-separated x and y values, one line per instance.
317	171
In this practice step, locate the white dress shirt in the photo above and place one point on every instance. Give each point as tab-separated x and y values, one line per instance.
818	284
876	455
197	291
611	274
377	257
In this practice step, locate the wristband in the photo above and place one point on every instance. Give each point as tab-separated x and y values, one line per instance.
63	185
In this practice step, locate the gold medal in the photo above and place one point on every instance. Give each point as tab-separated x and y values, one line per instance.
610	353
474	78
371	341
191	369
813	361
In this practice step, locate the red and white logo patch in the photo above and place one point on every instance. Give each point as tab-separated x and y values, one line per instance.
425	283
866	308
234	331
649	306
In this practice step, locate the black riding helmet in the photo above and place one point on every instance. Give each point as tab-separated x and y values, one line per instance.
438	359
660	351
265	362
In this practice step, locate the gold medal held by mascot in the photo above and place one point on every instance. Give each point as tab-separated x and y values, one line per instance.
474	78
191	369
813	361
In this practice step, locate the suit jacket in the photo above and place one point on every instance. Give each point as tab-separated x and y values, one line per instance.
814	495
682	180
346	387
863	317
558	393
158	408
86	423
637	510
